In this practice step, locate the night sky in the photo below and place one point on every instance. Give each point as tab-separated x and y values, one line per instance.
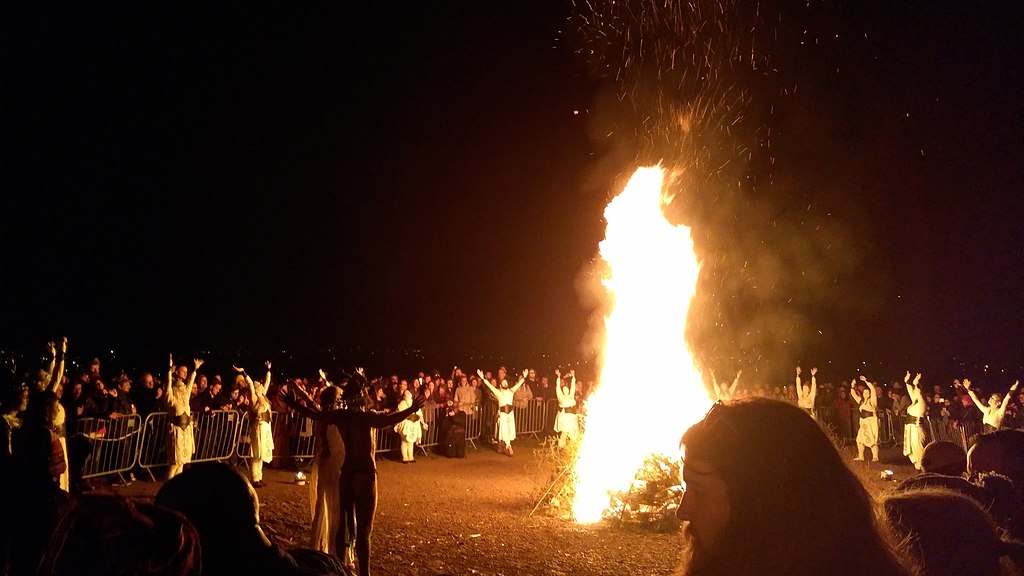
432	175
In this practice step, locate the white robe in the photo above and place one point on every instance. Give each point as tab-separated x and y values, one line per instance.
324	498
567	422
410	431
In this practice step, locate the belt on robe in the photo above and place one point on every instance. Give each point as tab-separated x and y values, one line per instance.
866	414
182	421
567	410
911	420
265	417
507	409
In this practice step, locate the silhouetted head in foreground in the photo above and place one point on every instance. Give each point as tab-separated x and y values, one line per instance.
107	534
949	533
766	493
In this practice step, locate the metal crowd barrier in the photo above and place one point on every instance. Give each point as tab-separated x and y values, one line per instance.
969	432
886	430
474	426
432	435
302	433
113	442
387	440
216	435
530	420
153	445
961	432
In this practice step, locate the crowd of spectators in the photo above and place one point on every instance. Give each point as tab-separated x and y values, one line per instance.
43	498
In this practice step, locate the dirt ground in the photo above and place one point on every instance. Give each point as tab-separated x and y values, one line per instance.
472	516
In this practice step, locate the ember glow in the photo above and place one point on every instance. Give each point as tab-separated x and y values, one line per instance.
650	390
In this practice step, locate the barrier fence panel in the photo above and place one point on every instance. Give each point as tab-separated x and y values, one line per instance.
474	425
115	451
303	436
216	435
91	427
432	435
530	418
886	434
153	443
968	433
387	440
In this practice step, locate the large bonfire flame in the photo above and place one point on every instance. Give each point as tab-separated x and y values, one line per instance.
650	389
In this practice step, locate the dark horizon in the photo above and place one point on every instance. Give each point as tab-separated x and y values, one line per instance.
406	176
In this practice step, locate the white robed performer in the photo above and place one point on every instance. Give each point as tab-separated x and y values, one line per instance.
996	409
261	435
913	428
506	424
409	430
805	395
724	391
867	404
567	423
182	442
324	495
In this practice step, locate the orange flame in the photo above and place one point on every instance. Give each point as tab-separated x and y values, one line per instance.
649	390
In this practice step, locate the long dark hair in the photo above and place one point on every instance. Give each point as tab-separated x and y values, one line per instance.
107	534
796	506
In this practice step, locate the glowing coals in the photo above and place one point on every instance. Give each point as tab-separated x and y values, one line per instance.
649	390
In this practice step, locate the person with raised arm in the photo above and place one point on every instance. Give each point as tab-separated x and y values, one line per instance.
358	480
325	504
806	395
178	394
505	427
50	383
723	391
913	423
261	436
996	409
567	424
867	404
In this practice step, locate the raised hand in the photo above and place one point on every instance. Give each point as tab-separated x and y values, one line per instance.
480	373
198	362
323	375
1015	384
64	345
525	374
558	372
814	371
170	358
797	370
917	379
237	369
267	364
906	378
572	373
967	384
51	348
863	378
